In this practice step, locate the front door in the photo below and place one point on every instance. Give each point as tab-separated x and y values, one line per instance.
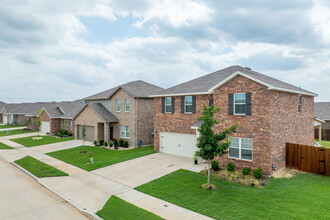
111	133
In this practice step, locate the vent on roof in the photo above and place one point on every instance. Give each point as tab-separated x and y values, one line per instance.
248	68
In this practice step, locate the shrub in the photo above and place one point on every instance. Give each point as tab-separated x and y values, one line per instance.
69	134
106	144
231	166
257	173
125	144
110	144
101	141
95	143
115	143
121	142
246	171
215	165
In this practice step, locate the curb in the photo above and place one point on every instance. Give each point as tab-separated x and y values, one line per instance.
86	213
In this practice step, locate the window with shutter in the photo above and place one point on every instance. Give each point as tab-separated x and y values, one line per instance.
210	102
188	104
182	104
173	104
248	103
239	104
194	104
163	104
168	105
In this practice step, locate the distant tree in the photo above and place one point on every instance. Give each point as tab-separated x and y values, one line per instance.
39	120
212	144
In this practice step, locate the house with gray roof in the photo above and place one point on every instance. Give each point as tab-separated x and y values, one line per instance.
2	104
269	113
123	112
322	112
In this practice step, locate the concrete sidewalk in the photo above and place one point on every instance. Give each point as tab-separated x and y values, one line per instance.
15	128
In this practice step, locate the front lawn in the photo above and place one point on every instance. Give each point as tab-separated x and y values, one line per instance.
305	196
325	144
102	157
29	142
14	132
11	126
116	208
38	168
4	146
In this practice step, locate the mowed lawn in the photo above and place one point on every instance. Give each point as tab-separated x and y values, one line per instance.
325	144
305	196
29	142
116	208
11	126
38	168
102	157
4	146
14	132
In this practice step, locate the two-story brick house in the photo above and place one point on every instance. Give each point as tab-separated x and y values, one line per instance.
268	112
123	112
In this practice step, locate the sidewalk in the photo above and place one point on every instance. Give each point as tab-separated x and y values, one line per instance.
15	128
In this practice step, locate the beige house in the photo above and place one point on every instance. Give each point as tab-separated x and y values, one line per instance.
124	112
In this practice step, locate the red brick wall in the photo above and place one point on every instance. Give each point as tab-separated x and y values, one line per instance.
289	125
64	125
33	125
145	120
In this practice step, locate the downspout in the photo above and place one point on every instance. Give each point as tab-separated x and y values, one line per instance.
136	132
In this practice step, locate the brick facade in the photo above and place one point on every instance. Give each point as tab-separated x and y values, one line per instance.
145	120
263	126
63	123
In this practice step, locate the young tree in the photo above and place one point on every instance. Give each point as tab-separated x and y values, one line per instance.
212	144
83	129
39	120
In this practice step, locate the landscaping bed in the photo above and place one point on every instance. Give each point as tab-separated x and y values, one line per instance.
304	196
116	208
38	168
102	156
16	131
4	146
33	141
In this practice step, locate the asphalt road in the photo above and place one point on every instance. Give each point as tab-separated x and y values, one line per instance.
21	197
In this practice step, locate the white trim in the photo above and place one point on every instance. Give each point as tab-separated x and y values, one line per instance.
180	94
185	104
240	149
168	105
240	103
129	131
61	109
319	120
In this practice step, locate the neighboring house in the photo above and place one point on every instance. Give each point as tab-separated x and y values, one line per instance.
55	116
124	112
2	104
16	113
268	113
322	112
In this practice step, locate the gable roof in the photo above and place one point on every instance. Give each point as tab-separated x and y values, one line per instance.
137	88
104	113
322	110
208	83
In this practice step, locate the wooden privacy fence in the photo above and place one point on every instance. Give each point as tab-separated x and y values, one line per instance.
308	158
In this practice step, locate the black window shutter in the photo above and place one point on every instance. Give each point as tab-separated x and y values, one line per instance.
210	102
230	104
248	103
182	104
163	104
194	104
173	104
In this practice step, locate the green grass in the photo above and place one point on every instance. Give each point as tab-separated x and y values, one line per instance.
4	146
102	157
305	196
11	126
29	142
116	208
325	144
14	132
38	168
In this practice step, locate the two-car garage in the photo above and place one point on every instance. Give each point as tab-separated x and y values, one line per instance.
178	144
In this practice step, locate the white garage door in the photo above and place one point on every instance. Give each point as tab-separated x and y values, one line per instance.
178	144
45	126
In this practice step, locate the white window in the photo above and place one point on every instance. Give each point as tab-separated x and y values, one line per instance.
241	148
188	104
127	105
66	124
299	103
71	125
124	131
118	105
168	104
239	104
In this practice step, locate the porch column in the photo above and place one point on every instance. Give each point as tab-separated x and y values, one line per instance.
320	133
106	132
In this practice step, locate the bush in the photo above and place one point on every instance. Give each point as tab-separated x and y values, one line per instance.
231	166
69	134
101	141
257	173
246	171
125	144
121	142
115	142
215	165
95	143
64	132
110	144
106	144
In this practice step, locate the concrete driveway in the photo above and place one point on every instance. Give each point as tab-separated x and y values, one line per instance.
24	198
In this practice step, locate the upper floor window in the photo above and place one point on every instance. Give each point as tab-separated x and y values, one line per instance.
124	131
188	104
239	104
71	125
127	105
241	148
168	104
118	105
299	103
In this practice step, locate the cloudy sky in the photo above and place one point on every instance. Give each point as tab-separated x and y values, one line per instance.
65	50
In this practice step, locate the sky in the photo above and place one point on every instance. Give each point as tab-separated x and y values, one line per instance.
66	50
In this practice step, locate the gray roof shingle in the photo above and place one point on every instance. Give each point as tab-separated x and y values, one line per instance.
203	84
322	110
106	115
137	88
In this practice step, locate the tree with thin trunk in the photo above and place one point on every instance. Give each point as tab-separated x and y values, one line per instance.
209	143
83	131
39	120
